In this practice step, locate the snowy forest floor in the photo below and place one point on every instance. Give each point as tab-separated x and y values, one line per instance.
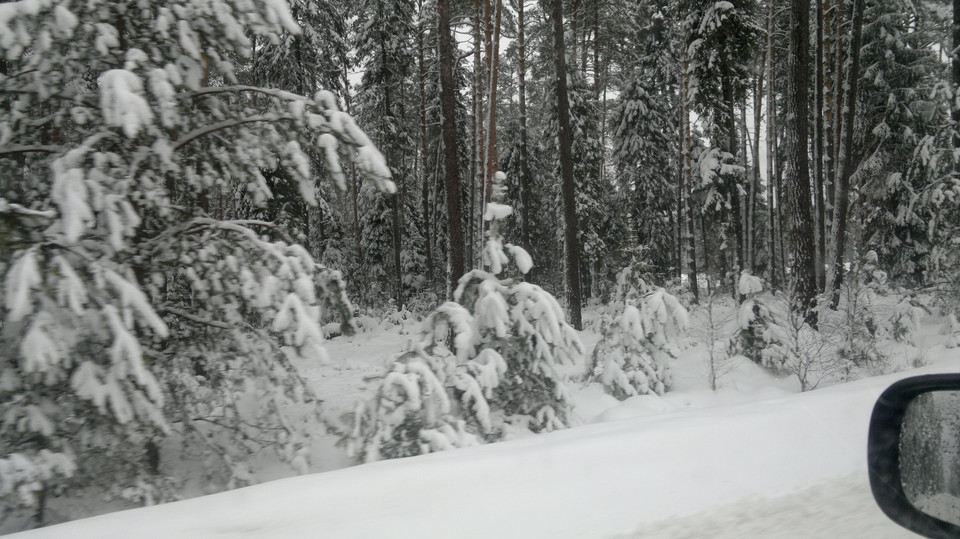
716	440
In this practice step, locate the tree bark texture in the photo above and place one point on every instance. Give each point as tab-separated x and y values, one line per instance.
686	179
422	76
955	114
818	155
801	231
843	189
525	187
448	106
572	246
771	146
493	70
726	83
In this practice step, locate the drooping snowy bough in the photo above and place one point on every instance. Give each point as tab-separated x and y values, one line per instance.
487	359
138	301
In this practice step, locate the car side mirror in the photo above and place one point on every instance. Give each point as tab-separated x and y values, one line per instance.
913	454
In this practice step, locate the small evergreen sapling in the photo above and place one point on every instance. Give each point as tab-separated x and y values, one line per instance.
632	355
760	336
508	338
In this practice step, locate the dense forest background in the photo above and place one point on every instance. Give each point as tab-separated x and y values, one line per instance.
195	194
706	140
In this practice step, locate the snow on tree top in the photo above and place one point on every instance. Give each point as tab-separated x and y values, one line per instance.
749	284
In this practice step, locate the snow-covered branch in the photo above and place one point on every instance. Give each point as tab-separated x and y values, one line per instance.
31	148
228	124
194	318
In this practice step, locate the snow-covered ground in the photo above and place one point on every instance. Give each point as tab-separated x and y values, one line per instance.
755	458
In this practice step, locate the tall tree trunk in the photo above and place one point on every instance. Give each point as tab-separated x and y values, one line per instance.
801	231
726	83
397	246
838	99
682	169
829	114
397	197
354	181
747	175
566	168
525	187
476	161
493	71
596	47
755	182
448	106
955	114
771	145
574	27
686	179
818	155
422	77
779	167
843	192
584	49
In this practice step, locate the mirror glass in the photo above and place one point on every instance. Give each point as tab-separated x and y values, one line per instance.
930	454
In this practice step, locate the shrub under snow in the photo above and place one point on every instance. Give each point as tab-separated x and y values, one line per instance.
487	358
633	353
759	336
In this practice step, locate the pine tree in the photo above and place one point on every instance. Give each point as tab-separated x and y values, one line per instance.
642	150
384	49
722	38
568	186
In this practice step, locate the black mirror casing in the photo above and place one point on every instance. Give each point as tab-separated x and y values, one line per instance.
883	454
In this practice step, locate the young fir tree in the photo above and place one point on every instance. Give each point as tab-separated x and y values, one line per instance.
508	339
635	348
760	335
390	239
132	309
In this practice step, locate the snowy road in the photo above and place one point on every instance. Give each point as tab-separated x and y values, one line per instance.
789	466
838	509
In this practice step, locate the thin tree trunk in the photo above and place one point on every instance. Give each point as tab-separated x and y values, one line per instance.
422	77
839	96
354	182
746	207
584	49
525	187
955	114
755	183
771	146
574	27
818	156
726	83
448	105
566	168
781	235
829	115
596	47
397	198
493	70
682	169
706	257
476	161
686	179
801	231
843	193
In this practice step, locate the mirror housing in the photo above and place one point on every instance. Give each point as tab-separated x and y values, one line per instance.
885	444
